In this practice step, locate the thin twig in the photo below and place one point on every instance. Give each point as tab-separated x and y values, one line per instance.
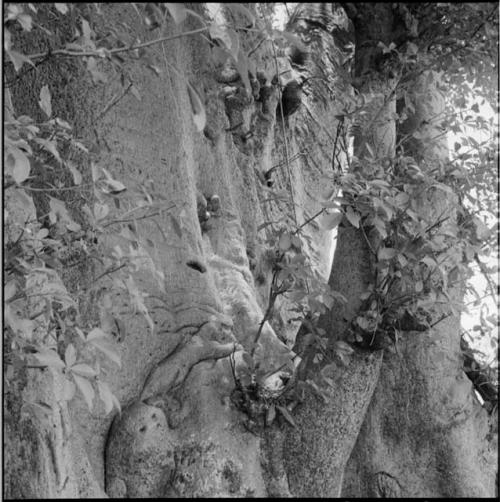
366	238
285	141
308	221
62	189
114	101
97	53
137	218
110	271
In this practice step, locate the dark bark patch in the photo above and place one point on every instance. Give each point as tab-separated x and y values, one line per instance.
196	265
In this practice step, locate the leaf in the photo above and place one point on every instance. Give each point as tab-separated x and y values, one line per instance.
177	11
341	346
77	177
96	333
111	186
386	253
85	388
297	244
240	9
293	40
45	101
97	75
50	146
86	31
401	199
330	221
50	358
197	108
70	355
419	286
284	242
18	59
83	370
227	36
370	151
80	333
100	211
69	390
286	415
58	212
61	7
135	92
247	358
270	415
353	217
402	260
430	262
21	165
108	347
107	397
10	290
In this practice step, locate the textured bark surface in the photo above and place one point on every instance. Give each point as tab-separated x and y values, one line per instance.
425	434
178	434
207	286
316	452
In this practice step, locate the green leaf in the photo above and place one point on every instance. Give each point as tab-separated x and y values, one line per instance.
240	9
330	221
270	415
402	199
58	212
197	108
430	262
20	164
177	11
83	370
247	358
353	217
10	290
107	346
135	92
402	260
419	286
111	186
284	242
96	333
100	211
85	388
70	355
86	30
50	358
386	253
80	333
50	146
69	390
77	177
293	39
61	7
45	101
107	397
286	415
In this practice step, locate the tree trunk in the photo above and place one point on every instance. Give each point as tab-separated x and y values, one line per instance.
179	433
195	287
316	451
425	434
